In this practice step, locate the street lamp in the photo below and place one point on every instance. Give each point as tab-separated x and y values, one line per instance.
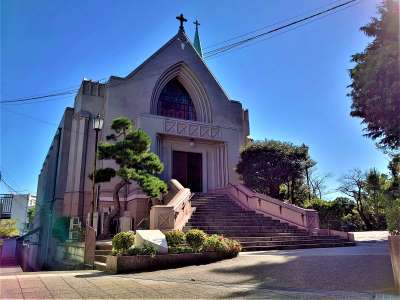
97	126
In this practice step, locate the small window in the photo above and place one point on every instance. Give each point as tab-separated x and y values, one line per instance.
175	102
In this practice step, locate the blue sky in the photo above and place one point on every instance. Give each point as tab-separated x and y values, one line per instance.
293	84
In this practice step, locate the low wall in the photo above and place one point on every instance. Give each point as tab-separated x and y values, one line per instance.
70	253
8	248
274	208
124	264
177	211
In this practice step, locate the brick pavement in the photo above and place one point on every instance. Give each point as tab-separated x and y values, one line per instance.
269	275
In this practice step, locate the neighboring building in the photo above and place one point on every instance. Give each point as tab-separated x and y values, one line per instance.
16	206
196	130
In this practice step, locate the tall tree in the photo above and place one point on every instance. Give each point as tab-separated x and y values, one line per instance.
352	185
267	165
134	160
375	86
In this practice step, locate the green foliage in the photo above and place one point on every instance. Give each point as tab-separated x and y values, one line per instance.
267	165
8	228
147	249
180	249
122	241
195	238
175	238
131	151
375	87
60	229
234	247
338	214
393	216
215	243
31	214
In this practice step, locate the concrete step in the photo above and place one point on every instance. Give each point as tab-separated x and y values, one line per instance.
100	258
289	242
103	252
249	228
298	246
218	214
282	237
101	266
103	247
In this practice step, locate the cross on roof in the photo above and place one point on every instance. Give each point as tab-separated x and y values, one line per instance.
197	23
181	19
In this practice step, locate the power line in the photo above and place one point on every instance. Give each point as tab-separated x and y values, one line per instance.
267	26
275	34
207	55
7	185
250	39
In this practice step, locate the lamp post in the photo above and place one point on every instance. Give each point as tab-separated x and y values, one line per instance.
97	126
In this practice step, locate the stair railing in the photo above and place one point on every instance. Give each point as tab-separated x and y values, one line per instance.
303	218
176	212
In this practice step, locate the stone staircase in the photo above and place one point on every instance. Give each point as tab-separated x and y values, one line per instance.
103	248
217	213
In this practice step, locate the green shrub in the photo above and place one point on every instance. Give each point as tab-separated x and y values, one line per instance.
215	243
147	249
393	216
175	238
180	249
234	247
195	238
8	228
122	241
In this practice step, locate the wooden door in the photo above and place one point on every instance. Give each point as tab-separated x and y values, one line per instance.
187	169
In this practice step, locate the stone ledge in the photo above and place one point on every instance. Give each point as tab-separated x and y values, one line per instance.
125	264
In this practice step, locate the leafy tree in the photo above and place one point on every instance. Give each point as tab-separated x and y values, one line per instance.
131	153
375	86
338	214
31	214
318	184
8	228
352	185
369	192
392	205
275	168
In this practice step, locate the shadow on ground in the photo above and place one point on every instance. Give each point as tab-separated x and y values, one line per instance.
351	273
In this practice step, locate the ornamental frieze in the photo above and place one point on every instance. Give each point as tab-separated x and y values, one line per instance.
189	129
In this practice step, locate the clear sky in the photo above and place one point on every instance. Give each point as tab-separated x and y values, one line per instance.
294	84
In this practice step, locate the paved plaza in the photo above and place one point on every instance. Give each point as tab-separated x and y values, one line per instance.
361	272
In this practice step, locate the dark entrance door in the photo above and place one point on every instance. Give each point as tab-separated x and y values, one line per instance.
187	169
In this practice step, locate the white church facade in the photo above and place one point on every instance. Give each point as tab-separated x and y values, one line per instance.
195	129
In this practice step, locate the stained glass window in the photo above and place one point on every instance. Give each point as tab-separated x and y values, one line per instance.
175	102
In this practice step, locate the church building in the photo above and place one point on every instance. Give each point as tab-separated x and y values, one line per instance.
195	128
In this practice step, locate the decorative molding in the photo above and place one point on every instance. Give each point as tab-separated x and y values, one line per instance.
184	128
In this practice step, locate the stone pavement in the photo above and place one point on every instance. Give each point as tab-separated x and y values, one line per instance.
361	272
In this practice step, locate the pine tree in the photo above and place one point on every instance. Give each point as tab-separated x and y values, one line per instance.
375	87
131	152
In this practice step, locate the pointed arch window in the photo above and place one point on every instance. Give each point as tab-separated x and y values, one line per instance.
175	102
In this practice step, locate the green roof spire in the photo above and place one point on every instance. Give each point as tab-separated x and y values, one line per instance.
196	42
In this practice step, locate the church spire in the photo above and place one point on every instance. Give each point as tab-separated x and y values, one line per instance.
196	42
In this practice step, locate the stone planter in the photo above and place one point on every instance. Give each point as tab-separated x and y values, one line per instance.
394	247
124	264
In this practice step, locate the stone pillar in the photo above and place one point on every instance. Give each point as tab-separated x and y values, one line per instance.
125	222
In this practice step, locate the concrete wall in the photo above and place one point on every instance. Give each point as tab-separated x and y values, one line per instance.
19	211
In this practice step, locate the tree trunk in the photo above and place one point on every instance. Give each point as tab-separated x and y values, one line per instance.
308	184
360	210
117	208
